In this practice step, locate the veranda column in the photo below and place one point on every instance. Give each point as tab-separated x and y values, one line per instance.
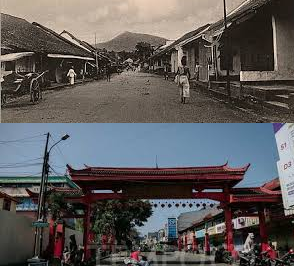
262	230
87	231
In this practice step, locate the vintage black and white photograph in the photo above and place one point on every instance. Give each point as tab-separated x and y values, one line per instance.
147	61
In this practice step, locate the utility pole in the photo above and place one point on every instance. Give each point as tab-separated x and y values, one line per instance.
40	213
96	54
227	52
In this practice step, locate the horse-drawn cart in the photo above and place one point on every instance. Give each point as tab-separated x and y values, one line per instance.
16	84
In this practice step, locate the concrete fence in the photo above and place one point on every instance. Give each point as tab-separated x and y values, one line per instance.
17	238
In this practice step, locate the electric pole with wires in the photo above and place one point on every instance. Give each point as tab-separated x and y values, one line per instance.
41	211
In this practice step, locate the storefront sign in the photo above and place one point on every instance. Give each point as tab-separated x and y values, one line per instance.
220	228
284	134
243	222
211	230
172	228
200	233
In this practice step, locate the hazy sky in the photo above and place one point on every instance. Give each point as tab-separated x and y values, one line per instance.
135	145
108	18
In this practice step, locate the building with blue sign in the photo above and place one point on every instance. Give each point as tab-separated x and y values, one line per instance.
15	186
172	232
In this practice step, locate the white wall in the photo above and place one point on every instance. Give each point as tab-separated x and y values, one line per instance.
16	238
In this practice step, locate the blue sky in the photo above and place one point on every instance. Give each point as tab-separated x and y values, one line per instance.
135	145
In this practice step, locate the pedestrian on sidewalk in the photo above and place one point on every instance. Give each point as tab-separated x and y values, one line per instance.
71	75
184	75
197	70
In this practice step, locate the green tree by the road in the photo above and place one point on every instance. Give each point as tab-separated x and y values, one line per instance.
121	216
57	205
144	50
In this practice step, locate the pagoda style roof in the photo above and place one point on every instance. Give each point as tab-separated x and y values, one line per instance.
69	192
119	171
109	177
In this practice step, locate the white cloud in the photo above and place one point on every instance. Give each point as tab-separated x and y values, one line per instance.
167	18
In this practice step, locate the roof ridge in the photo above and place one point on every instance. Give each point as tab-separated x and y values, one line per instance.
48	30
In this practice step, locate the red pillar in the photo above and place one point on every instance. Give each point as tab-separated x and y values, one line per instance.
194	243
262	230
87	231
179	243
206	244
186	242
229	231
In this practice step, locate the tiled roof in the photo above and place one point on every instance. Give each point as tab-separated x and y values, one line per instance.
183	38
36	180
223	169
67	191
6	196
189	219
247	7
19	34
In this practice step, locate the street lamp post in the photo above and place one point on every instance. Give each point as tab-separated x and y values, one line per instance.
227	52
41	213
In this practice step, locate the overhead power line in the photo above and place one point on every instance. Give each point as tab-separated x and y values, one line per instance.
20	166
21	140
18	163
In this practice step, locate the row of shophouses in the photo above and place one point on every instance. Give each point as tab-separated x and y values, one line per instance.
209	225
33	48
261	42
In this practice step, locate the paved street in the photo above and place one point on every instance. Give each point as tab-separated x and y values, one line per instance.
129	97
169	258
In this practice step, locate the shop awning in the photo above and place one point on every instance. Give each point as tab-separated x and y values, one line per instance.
14	56
91	64
63	56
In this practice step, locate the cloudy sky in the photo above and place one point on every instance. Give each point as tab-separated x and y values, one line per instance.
108	18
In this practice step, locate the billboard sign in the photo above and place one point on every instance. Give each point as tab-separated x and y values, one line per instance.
284	134
172	228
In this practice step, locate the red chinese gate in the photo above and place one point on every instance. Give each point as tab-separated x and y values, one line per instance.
174	183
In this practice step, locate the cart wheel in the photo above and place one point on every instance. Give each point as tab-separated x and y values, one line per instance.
35	91
3	99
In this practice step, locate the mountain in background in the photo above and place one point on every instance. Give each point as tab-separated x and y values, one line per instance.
127	41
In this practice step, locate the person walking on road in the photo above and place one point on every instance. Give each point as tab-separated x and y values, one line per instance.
108	72
71	75
183	76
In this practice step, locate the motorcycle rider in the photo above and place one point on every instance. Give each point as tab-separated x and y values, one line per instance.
138	258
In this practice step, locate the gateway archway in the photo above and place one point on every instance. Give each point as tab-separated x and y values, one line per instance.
174	183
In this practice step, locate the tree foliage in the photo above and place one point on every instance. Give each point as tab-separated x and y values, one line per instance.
120	217
57	205
144	50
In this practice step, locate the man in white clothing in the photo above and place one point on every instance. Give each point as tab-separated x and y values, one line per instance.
71	75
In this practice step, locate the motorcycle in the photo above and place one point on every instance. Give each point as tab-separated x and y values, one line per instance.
223	256
255	258
286	260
